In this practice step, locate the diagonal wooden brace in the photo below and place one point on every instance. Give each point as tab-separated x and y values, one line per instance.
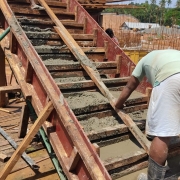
94	74
22	147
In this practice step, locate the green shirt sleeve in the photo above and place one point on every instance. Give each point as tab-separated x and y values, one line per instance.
139	72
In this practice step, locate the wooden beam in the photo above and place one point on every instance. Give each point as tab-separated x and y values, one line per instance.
85	26
49	50
125	160
23	122
95	32
118	60
3	157
93	73
26	141
13	43
76	13
2	77
106	50
55	36
96	148
77	66
7	89
80	73
90	83
29	72
17	72
73	159
96	6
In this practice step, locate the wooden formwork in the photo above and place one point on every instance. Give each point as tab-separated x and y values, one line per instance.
77	155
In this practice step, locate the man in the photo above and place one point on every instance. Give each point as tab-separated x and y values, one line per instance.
110	32
35	6
162	69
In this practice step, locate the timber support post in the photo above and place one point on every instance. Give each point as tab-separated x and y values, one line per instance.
2	78
23	122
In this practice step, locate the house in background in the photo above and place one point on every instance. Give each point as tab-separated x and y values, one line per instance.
114	21
138	25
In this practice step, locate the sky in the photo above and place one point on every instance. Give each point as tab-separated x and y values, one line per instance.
157	2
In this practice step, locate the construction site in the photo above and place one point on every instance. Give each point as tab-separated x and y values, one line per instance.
60	77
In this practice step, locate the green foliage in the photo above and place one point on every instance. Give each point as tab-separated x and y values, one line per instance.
153	13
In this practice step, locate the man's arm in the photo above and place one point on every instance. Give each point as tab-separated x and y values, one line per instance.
128	89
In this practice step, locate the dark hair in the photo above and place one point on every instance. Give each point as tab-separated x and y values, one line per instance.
109	31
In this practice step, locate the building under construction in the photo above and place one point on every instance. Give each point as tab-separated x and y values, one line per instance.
59	79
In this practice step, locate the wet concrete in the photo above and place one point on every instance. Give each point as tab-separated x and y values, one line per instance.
58	61
119	149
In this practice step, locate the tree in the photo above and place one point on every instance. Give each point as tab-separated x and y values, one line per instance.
169	2
178	4
162	4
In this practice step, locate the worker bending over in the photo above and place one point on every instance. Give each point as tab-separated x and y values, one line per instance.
162	69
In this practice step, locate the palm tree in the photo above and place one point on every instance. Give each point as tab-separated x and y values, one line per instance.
169	2
152	10
162	4
178	4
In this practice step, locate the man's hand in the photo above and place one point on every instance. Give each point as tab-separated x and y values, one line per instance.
121	106
128	89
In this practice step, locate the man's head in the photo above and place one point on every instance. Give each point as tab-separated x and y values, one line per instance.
109	31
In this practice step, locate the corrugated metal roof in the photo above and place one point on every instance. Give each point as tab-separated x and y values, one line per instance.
139	25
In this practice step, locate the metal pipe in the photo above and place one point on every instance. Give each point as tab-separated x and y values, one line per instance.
47	144
31	163
52	154
4	33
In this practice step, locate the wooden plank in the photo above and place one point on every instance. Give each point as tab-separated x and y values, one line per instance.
130	109
137	100
29	11
112	131
114	163
73	159
26	141
85	25
91	70
62	113
5	110
95	33
44	35
23	122
16	69
7	89
118	60
13	43
63	49
3	157
66	74
129	169
90	83
2	78
29	72
96	148
86	6
77	65
106	50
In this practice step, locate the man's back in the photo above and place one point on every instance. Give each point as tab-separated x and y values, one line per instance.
158	65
